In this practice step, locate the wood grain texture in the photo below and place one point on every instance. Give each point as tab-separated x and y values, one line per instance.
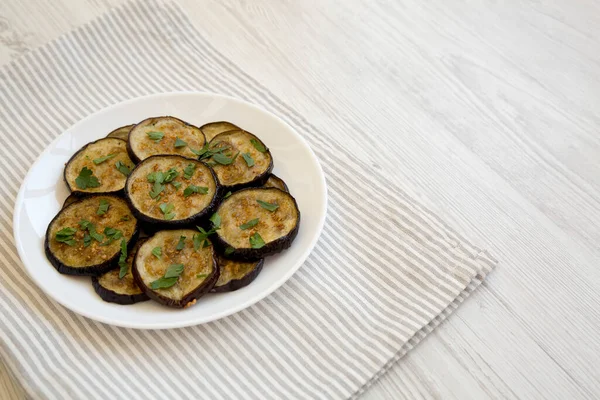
492	119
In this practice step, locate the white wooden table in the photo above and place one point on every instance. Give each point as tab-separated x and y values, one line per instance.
496	109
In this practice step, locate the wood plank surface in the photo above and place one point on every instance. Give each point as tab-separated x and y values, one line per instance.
492	119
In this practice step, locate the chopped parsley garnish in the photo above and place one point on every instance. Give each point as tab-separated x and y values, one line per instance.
268	206
155	135
256	241
86	179
188	172
157	252
111	234
103	207
176	184
223	159
181	243
200	276
91	228
227	195
124	169
158	179
154	177
250	224
229	250
180	143
191	189
258	145
66	235
248	158
169	279
216	220
105	158
167	210
124	268
125	218
206	152
202	237
170	175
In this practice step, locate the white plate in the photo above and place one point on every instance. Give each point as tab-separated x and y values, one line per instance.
44	191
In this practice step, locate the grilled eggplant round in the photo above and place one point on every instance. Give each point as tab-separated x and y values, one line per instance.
121	133
164	135
85	237
170	269
70	199
256	222
124	290
171	191
212	129
236	274
95	168
276	182
245	161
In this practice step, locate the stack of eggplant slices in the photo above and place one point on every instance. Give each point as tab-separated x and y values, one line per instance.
167	211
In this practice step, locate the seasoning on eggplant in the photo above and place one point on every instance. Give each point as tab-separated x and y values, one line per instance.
164	135
121	133
241	160
236	274
240	238
176	278
113	288
276	182
82	241
171	191
93	169
212	129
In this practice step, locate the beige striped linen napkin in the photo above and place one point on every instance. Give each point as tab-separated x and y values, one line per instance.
352	310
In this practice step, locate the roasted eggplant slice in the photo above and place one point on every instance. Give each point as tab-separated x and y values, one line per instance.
99	167
235	275
174	268
240	160
85	237
276	182
164	135
121	133
212	129
171	191
114	289
256	222
70	199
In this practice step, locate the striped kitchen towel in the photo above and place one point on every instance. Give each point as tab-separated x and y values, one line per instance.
352	310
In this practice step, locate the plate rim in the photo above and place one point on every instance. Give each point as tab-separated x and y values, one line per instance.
192	321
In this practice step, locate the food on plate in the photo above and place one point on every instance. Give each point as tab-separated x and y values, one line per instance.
117	285
239	159
99	167
171	190
87	237
276	182
212	129
121	133
176	267
164	135
256	222
235	275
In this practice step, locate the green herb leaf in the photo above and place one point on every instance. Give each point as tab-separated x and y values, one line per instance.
124	169
66	235
200	152
188	172
216	220
103	208
191	189
249	224
268	206
122	259
169	279
202	237
157	252
86	179
167	210
87	239
157	189
176	184
256	241
111	234
249	160
229	250
181	243
258	145
169	216
125	218
170	175
197	238
180	143
91	228
155	135
201	276
227	195
156	177
174	271
105	158
223	159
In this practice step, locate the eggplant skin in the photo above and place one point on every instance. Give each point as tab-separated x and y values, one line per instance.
72	198
236	284
111	297
121	133
270	248
212	129
92	270
276	182
151	224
